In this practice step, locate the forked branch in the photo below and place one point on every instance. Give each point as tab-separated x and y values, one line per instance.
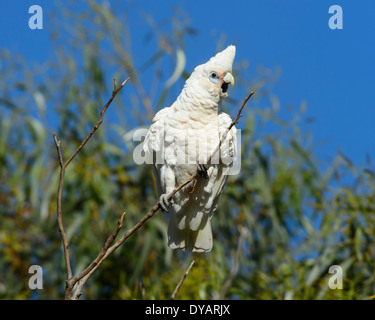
69	282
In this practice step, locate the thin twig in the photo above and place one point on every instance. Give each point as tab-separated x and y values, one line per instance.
235	121
69	274
173	296
114	93
59	210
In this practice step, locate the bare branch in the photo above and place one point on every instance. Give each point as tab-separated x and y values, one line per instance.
235	121
173	296
70	281
114	93
59	210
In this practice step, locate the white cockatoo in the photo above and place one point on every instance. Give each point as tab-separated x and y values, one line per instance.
179	141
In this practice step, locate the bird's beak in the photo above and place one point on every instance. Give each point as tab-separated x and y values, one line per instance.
228	78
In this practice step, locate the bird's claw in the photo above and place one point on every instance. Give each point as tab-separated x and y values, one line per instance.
202	170
164	203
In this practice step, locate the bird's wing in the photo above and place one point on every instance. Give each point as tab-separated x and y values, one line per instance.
154	141
154	147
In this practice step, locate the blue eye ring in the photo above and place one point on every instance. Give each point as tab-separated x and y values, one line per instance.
214	77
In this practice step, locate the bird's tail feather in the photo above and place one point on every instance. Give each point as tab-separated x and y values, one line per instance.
197	240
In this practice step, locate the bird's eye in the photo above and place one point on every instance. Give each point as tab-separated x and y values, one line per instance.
214	77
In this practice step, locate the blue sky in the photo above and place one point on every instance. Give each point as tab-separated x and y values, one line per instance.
331	70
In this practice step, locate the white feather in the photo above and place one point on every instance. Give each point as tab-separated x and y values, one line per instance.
183	136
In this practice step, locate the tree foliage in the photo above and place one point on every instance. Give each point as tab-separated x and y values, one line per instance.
301	215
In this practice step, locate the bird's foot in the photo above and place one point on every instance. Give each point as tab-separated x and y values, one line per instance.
202	170
164	202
